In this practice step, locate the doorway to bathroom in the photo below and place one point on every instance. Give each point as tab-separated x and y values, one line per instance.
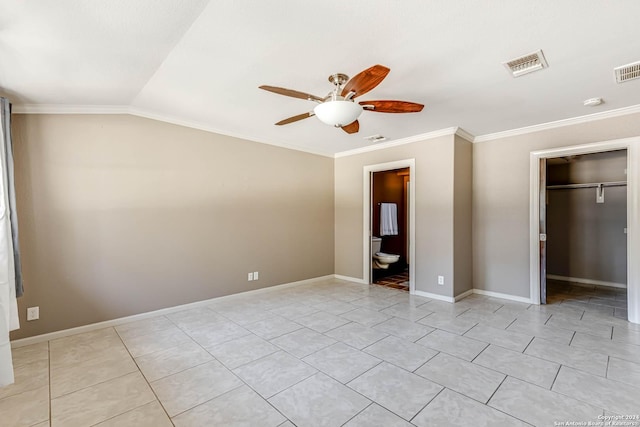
389	214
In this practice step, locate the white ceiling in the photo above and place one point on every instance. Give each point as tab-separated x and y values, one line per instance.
200	62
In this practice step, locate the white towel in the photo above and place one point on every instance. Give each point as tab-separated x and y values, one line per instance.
388	219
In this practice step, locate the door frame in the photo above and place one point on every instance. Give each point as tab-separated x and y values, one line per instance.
367	212
632	145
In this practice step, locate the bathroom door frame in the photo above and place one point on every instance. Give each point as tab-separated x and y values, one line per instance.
632	145
367	213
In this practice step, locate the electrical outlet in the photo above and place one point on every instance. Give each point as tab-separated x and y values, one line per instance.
250	277
33	313
255	275
440	280
625	230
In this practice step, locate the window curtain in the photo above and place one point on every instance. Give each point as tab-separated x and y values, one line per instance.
10	276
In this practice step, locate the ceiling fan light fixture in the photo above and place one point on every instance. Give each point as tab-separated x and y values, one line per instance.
338	113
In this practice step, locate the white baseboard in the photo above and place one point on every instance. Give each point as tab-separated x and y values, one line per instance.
587	281
350	279
463	295
502	296
135	317
434	296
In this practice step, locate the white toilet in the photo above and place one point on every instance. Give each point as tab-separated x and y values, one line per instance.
380	259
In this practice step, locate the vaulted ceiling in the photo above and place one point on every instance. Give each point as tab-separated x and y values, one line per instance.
200	62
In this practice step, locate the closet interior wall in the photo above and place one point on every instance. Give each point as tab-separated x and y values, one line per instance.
587	240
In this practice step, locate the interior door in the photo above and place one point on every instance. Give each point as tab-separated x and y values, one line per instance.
543	231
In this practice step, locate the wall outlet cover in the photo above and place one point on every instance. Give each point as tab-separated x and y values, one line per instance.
33	313
255	275
250	277
440	280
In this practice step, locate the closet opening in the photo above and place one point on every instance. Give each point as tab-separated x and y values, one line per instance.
583	231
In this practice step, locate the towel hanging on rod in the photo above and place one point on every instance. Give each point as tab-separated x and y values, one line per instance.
388	219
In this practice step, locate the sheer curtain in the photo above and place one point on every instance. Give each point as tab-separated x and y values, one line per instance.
10	285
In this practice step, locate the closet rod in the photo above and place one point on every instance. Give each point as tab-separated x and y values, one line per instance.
588	185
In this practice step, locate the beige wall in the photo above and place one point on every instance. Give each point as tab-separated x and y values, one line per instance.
122	215
501	198
462	216
434	183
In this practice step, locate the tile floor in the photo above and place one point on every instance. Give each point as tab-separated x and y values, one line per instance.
335	353
606	300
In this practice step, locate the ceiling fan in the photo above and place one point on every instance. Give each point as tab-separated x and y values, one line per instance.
338	108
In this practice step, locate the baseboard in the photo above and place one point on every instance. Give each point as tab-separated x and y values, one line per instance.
463	295
502	296
135	317
434	296
587	281
350	279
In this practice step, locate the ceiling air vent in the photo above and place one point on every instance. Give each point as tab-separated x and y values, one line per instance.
526	64
375	138
627	72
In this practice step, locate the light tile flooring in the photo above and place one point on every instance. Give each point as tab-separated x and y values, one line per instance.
606	300
335	353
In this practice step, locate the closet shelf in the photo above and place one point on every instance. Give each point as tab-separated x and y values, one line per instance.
588	185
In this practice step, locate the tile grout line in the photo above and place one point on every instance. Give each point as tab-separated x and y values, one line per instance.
98	383
496	390
207	401
478	355
527	346
145	378
556	377
167	349
500	410
364	409
512	322
251	388
427	404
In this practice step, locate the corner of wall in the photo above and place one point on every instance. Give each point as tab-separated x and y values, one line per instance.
462	216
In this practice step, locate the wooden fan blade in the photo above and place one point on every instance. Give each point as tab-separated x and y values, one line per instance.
351	127
365	80
291	92
295	118
392	106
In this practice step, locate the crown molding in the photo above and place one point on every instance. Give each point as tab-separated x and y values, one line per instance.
139	112
559	123
69	109
465	135
397	142
147	114
134	111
